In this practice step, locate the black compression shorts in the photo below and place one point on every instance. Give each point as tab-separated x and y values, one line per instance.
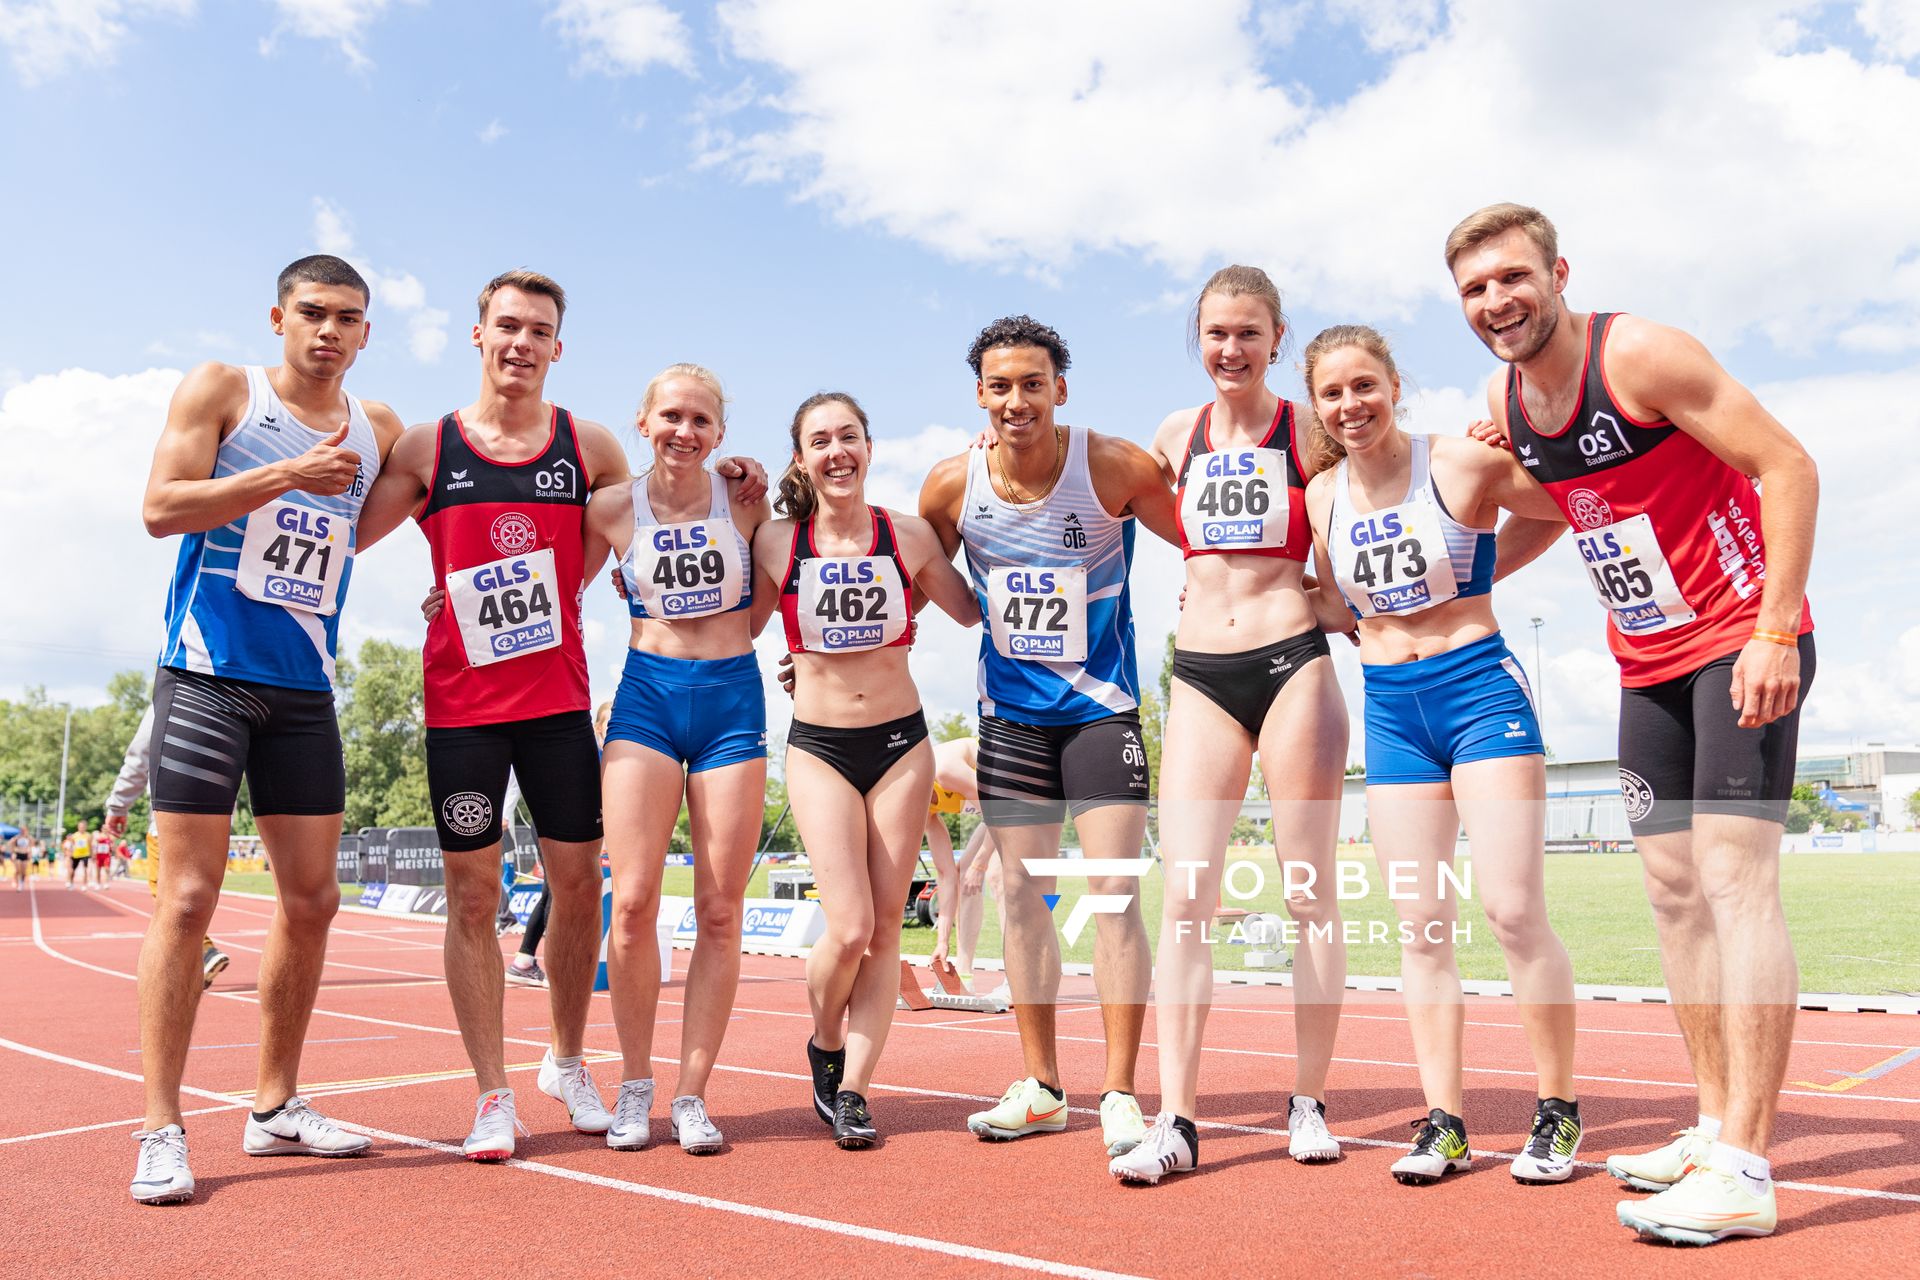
209	732
1682	751
555	758
1032	774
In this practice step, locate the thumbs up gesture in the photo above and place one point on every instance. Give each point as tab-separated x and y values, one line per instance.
326	468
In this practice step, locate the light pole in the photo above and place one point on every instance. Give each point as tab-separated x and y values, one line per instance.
1539	680
60	809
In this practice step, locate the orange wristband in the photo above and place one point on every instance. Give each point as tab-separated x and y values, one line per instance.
1777	637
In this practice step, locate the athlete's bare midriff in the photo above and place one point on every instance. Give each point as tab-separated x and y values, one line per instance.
852	690
1236	603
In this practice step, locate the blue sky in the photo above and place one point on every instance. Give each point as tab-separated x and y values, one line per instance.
805	195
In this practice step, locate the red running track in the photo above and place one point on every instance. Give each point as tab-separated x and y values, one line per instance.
782	1200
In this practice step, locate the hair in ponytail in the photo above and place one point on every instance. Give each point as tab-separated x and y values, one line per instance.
796	498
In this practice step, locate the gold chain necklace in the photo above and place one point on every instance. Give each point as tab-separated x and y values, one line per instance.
1059	465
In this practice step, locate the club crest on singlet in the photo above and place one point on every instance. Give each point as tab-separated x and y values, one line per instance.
514	534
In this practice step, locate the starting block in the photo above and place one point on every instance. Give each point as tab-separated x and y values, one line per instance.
949	992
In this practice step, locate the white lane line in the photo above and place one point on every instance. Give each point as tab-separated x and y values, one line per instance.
134	1121
255	1044
338	964
925	1244
1685	1086
876	1235
1815	1187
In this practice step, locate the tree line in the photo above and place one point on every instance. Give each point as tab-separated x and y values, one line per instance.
382	705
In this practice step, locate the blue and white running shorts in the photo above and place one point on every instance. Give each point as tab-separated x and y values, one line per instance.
1426	716
703	712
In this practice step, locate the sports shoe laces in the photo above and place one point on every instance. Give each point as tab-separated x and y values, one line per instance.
161	1154
577	1082
1540	1141
1427	1139
298	1111
631	1107
492	1109
693	1111
852	1109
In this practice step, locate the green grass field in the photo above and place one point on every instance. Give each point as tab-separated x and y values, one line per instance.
1852	917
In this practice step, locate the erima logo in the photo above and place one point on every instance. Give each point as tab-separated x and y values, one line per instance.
271	423
1514	730
459	481
897	740
1526	456
459	475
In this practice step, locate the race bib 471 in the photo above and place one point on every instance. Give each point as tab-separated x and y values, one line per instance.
293	556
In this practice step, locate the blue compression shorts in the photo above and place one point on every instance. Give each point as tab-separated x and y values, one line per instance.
1426	716
703	712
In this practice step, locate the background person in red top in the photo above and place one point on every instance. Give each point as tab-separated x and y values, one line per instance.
1647	446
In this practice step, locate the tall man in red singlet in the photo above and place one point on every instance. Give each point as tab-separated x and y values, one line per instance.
500	489
1648	447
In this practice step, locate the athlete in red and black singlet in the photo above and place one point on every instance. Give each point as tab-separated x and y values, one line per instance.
1280	435
478	511
1603	467
884	544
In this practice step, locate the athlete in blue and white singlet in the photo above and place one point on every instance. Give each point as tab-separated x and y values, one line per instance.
1056	643
259	598
1047	519
264	473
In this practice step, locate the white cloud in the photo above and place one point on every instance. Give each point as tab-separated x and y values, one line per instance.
341	22
401	291
332	233
1389	25
46	37
59	432
492	133
624	37
1176	137
1894	26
